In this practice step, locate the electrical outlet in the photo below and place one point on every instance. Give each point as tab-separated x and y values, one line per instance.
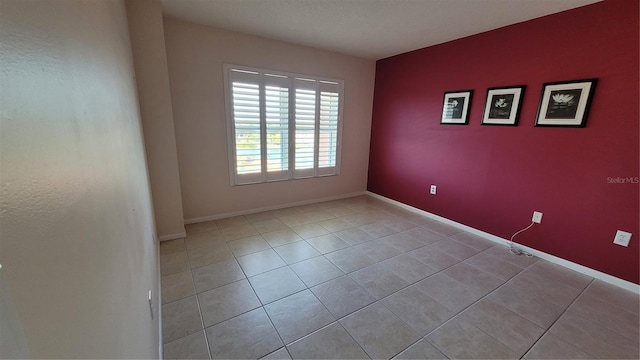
537	217
622	238
432	191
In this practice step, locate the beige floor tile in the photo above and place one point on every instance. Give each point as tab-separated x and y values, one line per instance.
449	292
494	266
231	222
379	332
298	315
276	284
281	237
331	342
350	259
212	276
408	268
474	241
512	330
560	274
180	318
473	278
193	346
418	310
204	240
425	235
557	293
442	228
462	340
201	227
296	252
309	230
227	301
434	258
256	263
527	304
340	211
209	255
607	315
239	232
402	242
377	230
622	298
378	250
397	224
454	249
333	225
177	286
172	246
378	280
319	215
316	270
248	336
174	263
265	226
354	236
552	347
327	243
296	219
421	350
248	245
342	296
594	339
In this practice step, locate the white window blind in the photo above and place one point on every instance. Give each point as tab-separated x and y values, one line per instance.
281	126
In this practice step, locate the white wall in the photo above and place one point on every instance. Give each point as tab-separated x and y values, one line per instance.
152	79
196	55
77	236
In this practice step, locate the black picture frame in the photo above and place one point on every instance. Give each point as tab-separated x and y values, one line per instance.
456	107
502	105
566	103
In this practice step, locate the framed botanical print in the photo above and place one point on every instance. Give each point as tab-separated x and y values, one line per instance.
566	103
455	110
503	104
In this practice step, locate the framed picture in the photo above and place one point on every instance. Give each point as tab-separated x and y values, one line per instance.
503	105
566	103
455	109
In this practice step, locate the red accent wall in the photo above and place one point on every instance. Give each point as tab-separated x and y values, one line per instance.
493	177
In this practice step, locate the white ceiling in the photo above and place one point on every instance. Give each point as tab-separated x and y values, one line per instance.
372	29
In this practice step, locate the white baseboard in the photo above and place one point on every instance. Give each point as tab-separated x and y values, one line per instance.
268	208
627	285
168	237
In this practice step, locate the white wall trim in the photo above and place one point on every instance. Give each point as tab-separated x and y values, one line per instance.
627	285
168	237
275	207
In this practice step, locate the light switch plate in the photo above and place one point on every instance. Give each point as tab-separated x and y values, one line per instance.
622	238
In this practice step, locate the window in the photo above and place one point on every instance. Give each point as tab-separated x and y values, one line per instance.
281	126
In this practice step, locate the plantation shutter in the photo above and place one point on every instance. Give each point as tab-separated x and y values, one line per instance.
277	127
328	141
305	128
246	126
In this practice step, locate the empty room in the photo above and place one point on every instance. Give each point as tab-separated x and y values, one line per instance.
320	179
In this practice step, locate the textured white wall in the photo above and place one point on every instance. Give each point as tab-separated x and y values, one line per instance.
196	55
152	79
77	238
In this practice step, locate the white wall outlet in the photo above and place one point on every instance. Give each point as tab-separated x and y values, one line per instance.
622	238
432	190
537	217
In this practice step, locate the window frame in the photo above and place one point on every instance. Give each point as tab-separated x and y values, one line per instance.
320	85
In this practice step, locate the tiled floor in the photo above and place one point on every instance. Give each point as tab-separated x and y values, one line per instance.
359	278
